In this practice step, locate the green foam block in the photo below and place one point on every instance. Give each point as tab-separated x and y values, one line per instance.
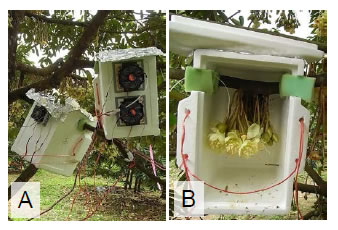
81	123
204	80
298	86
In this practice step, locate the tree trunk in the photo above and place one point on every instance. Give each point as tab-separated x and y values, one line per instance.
13	30
139	185
136	183
25	176
127	179
131	179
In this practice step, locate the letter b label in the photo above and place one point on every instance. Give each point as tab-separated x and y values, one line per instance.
189	198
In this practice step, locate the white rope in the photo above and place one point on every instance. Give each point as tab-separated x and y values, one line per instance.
176	84
227	89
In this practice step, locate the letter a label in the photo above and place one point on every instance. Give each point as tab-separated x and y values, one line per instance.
25	201
28	201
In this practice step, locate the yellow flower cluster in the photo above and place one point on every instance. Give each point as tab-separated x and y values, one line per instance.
233	142
320	24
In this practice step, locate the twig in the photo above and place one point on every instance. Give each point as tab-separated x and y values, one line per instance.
234	15
55	20
250	24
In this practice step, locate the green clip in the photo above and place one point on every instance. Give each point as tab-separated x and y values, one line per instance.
204	80
298	86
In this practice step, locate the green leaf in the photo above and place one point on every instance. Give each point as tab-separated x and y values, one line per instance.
188	60
172	120
89	77
235	21
159	80
222	15
241	20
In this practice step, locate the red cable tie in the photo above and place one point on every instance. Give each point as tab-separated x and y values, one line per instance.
131	164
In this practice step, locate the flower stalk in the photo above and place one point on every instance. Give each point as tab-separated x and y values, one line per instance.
247	129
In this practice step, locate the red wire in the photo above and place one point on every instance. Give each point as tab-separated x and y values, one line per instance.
103	198
187	171
299	214
99	116
75	146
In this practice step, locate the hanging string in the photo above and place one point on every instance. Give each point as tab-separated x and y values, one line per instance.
153	165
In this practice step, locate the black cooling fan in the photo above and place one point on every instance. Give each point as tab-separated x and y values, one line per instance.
131	76
131	111
40	114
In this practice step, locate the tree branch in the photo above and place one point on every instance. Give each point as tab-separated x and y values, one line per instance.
49	70
67	68
77	77
80	64
82	24
13	29
55	20
316	178
312	189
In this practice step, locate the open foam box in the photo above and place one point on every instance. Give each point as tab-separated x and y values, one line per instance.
55	145
230	171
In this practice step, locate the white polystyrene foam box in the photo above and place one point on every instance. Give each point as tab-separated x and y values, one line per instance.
230	171
187	34
108	98
57	146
